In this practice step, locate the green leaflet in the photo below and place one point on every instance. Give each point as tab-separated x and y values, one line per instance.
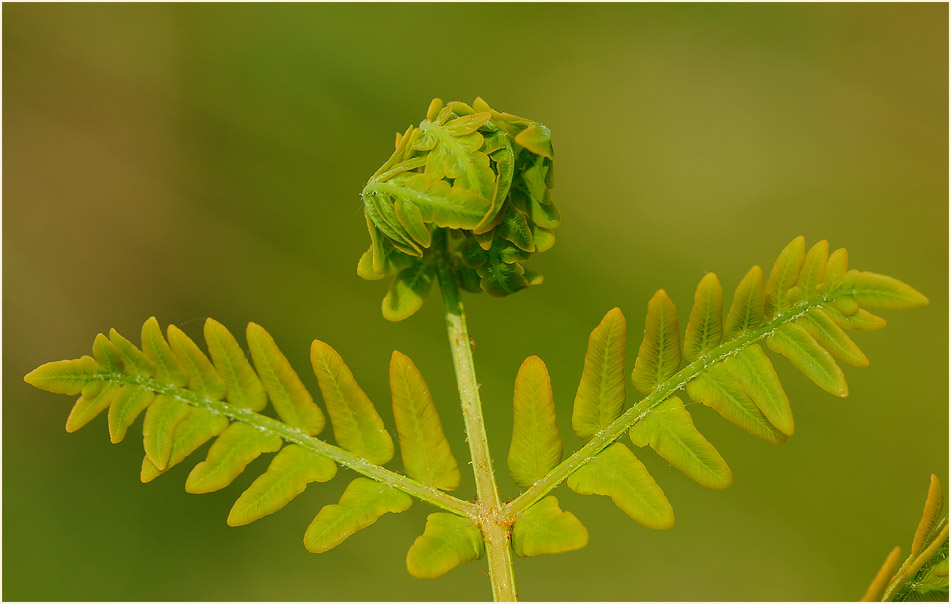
202	377
357	426
500	279
670	431
289	473
230	454
447	541
934	504
860	320
705	327
438	202
96	398
600	397
717	390
754	371
408	291
456	156
835	269
536	443
288	395
813	267
63	377
795	343
878	291
746	312
784	276
136	363
831	337
659	354
516	228
426	454
617	473
198	427
545	529
128	404
107	355
244	388
361	504
161	418
167	366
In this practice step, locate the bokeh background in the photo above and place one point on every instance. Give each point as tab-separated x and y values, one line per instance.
187	161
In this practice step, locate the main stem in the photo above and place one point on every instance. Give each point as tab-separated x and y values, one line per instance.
495	529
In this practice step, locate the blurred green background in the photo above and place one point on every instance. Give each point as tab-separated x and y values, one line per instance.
187	161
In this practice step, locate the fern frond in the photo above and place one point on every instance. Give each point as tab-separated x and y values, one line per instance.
189	399
800	312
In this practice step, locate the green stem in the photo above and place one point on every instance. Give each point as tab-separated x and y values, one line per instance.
663	391
296	436
495	527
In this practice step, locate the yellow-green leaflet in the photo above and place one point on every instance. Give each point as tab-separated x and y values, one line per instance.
754	371
288	395
136	363
289	473
202	377
659	354
357	426
126	407
832	337
198	427
876	590
835	268
536	443
934	504
168	369
545	529
813	267
63	377
96	398
784	275
746	311
705	327
600	397
447	541
879	291
361	504
408	291
230	454
717	390
860	320
244	388
617	473
107	355
161	418
795	343
670	431
426	454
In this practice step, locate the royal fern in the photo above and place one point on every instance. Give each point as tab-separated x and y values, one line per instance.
801	311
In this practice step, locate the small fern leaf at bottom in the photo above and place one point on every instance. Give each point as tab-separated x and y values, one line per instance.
291	470
362	504
447	541
545	528
617	473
